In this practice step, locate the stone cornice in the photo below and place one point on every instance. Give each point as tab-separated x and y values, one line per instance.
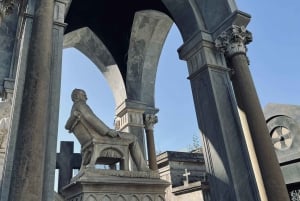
194	44
233	40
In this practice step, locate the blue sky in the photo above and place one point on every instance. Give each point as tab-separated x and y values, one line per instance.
274	62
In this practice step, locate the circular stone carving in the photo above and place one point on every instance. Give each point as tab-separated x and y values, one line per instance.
281	138
282	130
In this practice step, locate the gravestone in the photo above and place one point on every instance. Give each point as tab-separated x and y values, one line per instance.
283	122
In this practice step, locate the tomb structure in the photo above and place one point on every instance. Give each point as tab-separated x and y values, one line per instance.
124	40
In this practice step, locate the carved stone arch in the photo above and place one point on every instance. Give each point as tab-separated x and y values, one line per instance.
147	198
201	15
106	198
91	198
121	198
149	31
91	46
134	198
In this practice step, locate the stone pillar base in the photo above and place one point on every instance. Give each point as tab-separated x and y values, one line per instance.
112	185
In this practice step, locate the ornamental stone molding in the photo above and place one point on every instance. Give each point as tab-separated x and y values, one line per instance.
132	117
233	40
295	195
7	7
149	121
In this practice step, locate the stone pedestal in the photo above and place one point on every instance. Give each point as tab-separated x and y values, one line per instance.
112	185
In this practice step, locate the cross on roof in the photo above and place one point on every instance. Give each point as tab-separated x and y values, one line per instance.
66	161
186	175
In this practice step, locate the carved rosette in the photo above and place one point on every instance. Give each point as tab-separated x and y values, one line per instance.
149	121
233	40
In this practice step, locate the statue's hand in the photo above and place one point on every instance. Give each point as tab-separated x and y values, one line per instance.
77	114
113	133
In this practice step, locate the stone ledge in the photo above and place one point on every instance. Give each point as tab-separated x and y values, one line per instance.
94	174
191	187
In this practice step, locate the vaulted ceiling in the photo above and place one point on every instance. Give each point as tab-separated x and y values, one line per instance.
111	21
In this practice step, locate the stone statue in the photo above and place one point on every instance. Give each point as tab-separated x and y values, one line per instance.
89	129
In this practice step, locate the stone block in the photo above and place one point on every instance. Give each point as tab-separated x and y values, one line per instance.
111	185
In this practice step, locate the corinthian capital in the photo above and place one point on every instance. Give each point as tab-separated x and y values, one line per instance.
150	120
233	40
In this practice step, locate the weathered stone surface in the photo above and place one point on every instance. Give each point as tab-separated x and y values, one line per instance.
149	31
8	39
5	111
224	142
114	188
208	75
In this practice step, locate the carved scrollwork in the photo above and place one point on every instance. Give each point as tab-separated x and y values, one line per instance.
295	195
233	40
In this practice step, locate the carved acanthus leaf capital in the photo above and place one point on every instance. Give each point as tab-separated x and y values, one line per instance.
233	40
149	121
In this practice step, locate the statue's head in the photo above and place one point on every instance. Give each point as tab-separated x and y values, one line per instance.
78	95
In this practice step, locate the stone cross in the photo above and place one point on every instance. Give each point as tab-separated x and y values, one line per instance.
186	175
66	161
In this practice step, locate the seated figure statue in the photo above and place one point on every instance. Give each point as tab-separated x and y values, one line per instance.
93	134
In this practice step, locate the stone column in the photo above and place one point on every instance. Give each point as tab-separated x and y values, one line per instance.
149	121
23	53
227	161
27	181
53	104
233	43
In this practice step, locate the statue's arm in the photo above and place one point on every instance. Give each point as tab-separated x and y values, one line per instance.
71	122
